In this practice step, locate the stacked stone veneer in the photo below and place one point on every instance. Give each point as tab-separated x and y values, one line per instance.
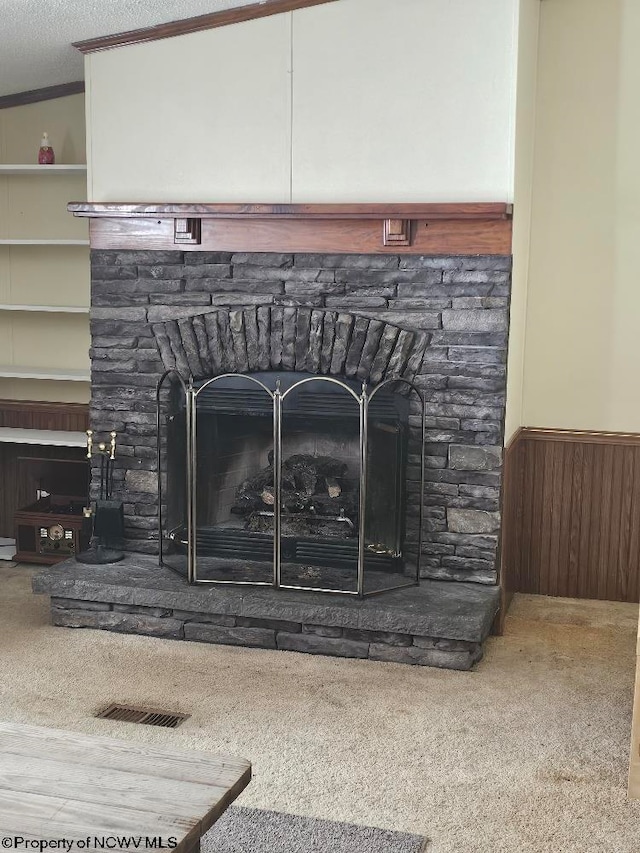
318	341
336	641
456	306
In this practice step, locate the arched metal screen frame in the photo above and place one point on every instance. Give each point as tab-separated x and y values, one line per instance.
363	400
186	388
361	433
367	402
193	401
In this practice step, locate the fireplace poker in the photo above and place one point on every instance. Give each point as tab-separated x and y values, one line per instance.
102	447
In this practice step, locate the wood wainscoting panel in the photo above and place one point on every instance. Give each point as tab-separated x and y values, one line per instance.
28	414
571	515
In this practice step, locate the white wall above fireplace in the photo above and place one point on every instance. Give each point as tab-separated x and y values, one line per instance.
358	100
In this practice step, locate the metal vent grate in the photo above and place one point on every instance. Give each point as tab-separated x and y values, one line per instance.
124	714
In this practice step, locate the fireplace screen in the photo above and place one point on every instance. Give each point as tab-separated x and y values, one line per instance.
292	481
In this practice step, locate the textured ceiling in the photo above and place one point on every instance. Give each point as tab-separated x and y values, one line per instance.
36	35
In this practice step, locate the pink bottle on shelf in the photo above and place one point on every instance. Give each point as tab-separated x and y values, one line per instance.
46	157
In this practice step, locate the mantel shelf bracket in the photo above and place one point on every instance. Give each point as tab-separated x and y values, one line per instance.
396	232
187	230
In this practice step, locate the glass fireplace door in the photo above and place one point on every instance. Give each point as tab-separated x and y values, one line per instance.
320	471
394	486
233	488
174	472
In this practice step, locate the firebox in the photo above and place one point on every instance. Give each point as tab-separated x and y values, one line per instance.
290	480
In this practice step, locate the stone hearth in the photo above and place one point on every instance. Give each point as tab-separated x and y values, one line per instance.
436	624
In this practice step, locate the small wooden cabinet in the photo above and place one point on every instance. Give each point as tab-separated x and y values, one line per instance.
53	526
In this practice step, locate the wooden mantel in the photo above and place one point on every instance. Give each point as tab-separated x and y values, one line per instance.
471	228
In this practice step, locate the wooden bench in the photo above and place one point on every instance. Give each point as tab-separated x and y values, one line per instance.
64	785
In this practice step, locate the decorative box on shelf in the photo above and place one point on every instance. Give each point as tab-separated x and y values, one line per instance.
53	527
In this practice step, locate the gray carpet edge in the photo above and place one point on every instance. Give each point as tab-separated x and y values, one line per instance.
249	830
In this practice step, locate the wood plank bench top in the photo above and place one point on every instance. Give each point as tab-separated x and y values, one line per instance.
57	784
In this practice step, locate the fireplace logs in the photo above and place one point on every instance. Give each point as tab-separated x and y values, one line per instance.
318	498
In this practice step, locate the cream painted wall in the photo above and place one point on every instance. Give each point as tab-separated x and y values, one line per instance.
581	351
403	101
353	100
526	88
624	400
22	127
34	207
201	117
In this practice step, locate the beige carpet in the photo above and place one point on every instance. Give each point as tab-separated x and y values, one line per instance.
529	753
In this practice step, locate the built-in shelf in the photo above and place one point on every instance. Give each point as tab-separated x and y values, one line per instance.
44	242
11	371
36	169
48	309
75	171
44	437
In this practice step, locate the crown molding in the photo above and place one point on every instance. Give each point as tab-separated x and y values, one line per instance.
33	96
182	27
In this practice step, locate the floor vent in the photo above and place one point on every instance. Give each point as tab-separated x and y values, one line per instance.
124	714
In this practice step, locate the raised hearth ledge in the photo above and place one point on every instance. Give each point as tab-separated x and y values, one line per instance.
436	624
468	228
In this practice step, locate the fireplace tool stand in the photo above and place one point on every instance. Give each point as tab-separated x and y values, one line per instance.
108	517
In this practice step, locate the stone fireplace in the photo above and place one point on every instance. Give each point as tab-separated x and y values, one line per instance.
317	332
443	322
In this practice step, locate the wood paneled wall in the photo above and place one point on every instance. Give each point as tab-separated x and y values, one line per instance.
571	515
25	414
